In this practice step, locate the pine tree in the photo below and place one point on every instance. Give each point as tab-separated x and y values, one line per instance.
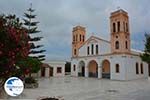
146	56
31	25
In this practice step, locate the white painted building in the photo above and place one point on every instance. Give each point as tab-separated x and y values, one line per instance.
114	59
53	68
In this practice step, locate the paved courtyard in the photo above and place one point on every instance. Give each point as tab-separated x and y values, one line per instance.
79	88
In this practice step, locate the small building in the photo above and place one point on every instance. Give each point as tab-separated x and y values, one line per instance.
52	68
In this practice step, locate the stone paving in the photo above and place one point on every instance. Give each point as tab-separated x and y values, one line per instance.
80	88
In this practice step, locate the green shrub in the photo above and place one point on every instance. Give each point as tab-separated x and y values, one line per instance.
30	80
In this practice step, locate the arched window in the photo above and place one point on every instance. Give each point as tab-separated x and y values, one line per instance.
74	67
137	68
117	44
96	49
141	68
114	27
80	37
73	38
83	38
75	51
92	49
126	27
76	37
118	25
117	68
126	45
88	50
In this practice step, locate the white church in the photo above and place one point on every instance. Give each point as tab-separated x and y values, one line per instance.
114	59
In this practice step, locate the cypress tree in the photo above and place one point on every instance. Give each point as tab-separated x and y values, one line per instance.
146	56
32	29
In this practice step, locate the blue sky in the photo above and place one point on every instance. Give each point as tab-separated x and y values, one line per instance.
58	17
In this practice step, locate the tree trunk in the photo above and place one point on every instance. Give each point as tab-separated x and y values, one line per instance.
3	94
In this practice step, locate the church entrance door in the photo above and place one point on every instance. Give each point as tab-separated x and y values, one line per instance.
93	69
106	69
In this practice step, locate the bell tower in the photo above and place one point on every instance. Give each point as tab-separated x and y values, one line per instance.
120	33
78	38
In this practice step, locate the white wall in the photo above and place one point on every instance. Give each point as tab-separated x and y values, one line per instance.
117	59
74	62
56	64
131	68
127	69
104	47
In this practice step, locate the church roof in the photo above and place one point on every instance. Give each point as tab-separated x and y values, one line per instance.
45	65
119	11
133	51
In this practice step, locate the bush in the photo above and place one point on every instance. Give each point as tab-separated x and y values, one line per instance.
30	80
14	46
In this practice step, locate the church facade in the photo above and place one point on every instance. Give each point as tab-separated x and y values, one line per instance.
114	59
